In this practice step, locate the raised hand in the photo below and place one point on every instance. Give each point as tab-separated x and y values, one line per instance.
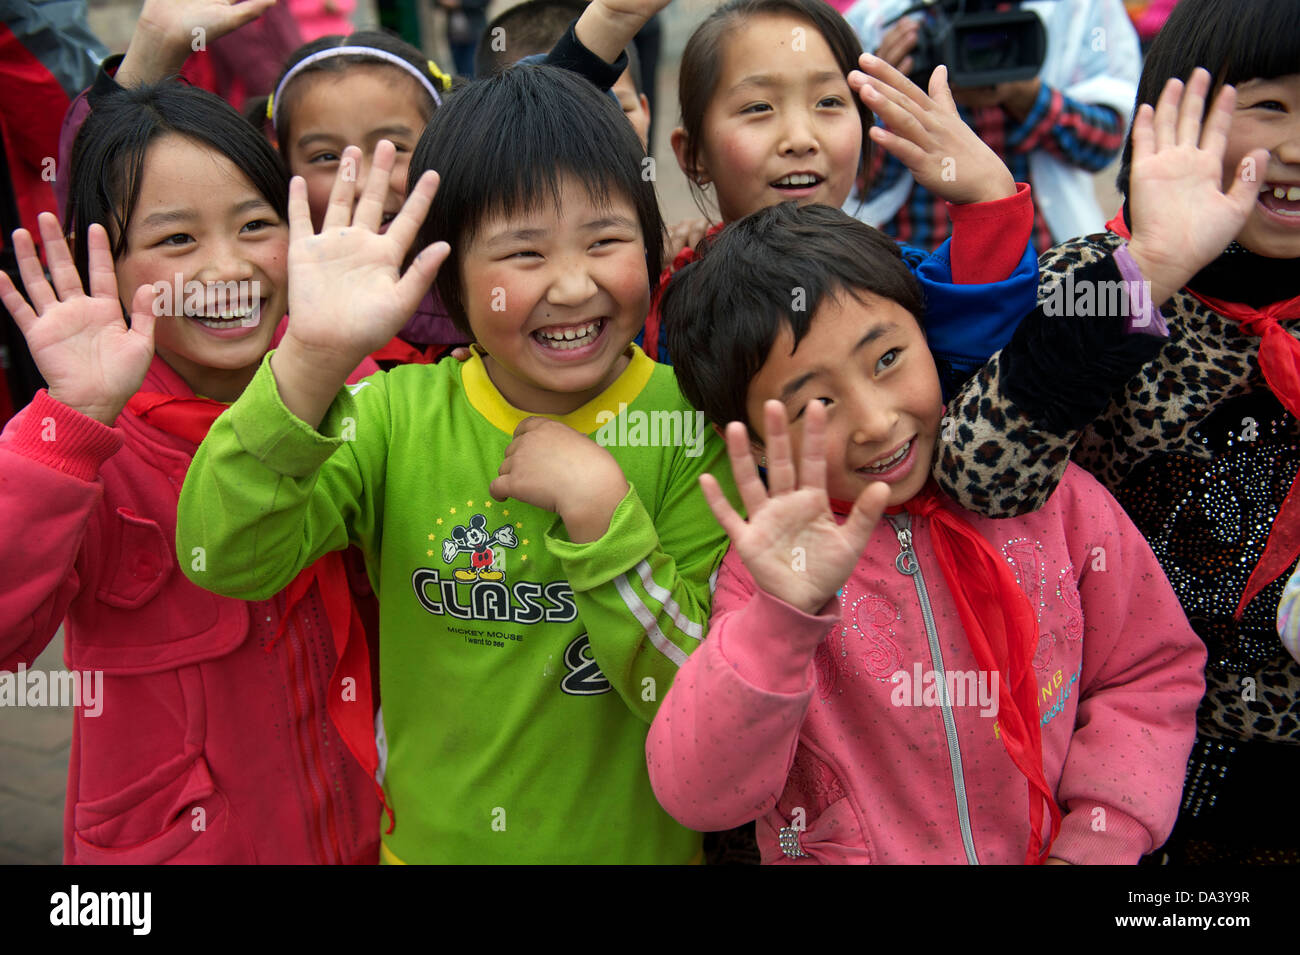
607	26
928	135
88	356
791	544
1182	216
169	30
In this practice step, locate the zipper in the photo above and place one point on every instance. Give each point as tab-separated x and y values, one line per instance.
908	565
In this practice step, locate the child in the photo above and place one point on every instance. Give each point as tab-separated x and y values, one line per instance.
1200	444
535	602
212	741
1041	665
774	108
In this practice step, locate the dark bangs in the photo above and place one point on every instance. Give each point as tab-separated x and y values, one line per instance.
108	156
1236	40
771	270
502	145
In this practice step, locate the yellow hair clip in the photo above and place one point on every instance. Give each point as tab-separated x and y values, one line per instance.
443	78
270	104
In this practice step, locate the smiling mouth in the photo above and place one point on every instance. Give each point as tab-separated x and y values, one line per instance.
884	464
1281	198
567	338
245	316
798	180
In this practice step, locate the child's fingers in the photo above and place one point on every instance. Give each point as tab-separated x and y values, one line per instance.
781	476
940	92
338	213
812	465
404	227
1166	118
725	514
904	150
875	66
17	306
300	226
903	115
103	278
369	210
1214	138
866	513
1144	136
143	318
412	286
752	492
67	282
29	267
1192	108
1244	192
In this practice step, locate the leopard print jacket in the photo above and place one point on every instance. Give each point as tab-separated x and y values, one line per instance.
1200	454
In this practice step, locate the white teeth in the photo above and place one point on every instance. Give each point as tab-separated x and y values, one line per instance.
569	338
798	179
1293	194
890	461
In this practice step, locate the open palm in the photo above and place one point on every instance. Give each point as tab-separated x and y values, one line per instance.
1176	197
88	356
181	19
347	294
792	545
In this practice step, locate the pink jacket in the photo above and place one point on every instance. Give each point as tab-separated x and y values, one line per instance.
831	728
213	744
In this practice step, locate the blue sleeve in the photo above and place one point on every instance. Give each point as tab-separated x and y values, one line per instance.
966	324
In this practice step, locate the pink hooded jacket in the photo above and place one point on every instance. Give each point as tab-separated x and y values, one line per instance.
832	733
212	744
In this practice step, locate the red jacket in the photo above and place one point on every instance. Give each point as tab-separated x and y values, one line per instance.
213	744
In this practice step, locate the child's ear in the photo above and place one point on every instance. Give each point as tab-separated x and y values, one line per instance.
696	174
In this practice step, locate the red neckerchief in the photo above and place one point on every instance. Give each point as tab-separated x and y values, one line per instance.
683	258
350	707
1279	360
1003	632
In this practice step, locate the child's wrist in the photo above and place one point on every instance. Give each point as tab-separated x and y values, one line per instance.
588	519
599	29
151	56
306	387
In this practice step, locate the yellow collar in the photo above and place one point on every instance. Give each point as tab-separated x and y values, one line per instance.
488	402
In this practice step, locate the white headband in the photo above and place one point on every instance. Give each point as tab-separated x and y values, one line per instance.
273	106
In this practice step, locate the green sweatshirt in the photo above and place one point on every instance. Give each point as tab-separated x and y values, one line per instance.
518	670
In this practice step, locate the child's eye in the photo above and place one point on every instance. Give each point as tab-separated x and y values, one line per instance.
527	253
832	101
257	225
323	158
826	403
756	108
178	239
1270	104
607	241
887	360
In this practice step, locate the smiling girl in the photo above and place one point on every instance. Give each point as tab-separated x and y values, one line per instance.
215	742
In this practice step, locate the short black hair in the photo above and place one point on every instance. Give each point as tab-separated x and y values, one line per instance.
379	40
528	28
1236	40
770	270
501	146
107	164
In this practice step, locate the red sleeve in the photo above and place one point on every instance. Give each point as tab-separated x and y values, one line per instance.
989	238
49	463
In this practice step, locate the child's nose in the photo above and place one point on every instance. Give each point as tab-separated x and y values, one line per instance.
798	136
872	418
225	262
571	283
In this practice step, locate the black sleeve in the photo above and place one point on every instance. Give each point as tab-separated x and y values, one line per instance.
569	54
1062	370
104	84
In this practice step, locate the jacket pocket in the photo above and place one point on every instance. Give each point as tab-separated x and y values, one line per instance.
176	815
142	562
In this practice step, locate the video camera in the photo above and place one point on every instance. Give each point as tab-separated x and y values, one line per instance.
980	45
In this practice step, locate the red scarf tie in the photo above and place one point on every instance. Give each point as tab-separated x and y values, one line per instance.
683	258
1279	360
350	708
1003	632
